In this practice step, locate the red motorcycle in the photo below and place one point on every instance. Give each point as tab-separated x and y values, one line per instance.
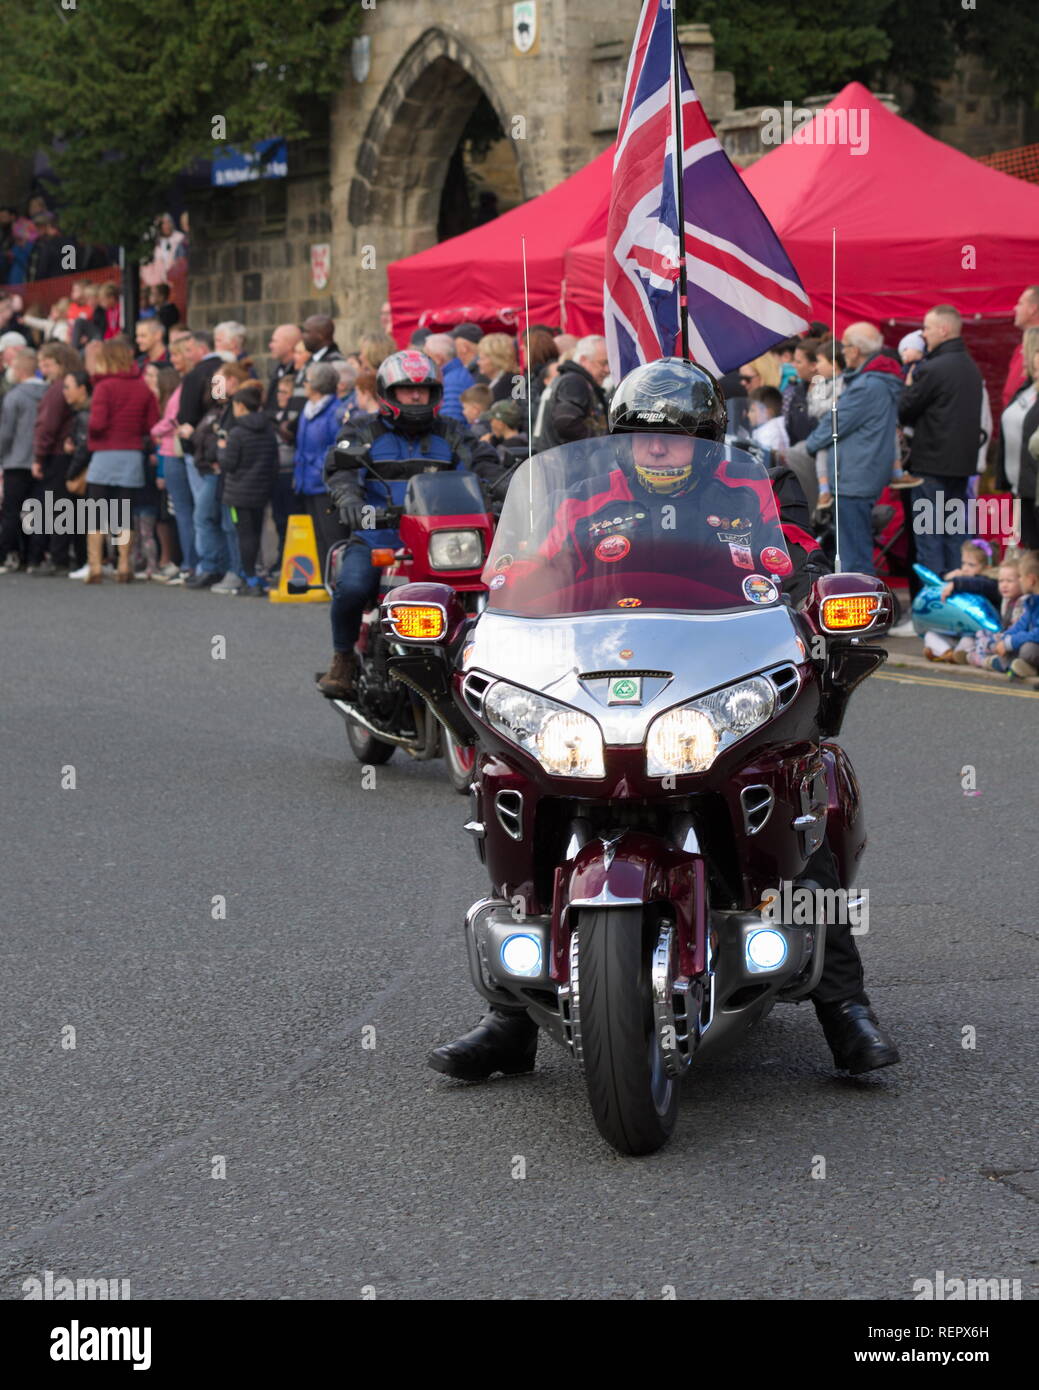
653	719
445	534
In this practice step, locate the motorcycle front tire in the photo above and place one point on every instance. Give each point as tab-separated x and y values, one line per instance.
634	1101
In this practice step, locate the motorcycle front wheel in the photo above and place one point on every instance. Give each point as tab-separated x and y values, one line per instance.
365	747
634	1101
461	764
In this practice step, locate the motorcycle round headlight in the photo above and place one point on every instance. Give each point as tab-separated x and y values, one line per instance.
571	743
455	550
680	741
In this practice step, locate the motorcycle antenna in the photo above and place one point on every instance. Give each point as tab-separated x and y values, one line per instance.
530	419
676	90
526	330
838	567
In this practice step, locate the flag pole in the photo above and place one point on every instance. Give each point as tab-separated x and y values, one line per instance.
838	567
676	91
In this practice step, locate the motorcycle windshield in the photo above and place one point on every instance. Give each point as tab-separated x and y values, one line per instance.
454	493
637	521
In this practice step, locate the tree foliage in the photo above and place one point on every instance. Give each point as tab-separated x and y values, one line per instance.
788	52
123	94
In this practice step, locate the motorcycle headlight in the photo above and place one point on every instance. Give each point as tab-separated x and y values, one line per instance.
564	741
688	739
682	740
455	550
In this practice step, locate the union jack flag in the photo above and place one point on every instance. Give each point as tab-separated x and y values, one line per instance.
743	293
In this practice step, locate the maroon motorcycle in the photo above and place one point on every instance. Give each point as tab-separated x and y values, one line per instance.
652	720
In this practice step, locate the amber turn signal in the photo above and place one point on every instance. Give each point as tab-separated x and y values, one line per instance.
382	555
851	612
418	621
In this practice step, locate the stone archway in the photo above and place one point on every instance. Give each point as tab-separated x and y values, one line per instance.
412	134
402	160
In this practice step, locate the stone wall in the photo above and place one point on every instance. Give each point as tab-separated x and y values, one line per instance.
373	190
250	252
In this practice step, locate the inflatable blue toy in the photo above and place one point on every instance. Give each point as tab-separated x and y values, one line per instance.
960	615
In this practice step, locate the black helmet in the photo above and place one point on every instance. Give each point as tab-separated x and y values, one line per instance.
670	396
408	368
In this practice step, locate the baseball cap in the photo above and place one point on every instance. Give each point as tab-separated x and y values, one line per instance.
508	412
472	331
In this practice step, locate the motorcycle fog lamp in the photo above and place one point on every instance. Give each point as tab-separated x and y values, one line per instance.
521	954
455	550
680	741
766	950
571	744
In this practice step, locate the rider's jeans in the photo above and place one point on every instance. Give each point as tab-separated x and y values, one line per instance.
355	590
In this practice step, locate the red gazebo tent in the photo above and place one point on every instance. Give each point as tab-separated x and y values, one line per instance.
479	276
918	224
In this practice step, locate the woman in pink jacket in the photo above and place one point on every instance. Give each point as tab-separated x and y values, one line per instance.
174	480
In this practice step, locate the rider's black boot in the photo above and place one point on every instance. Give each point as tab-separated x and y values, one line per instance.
503	1040
856	1039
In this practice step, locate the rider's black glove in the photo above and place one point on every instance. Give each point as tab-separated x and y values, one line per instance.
352	515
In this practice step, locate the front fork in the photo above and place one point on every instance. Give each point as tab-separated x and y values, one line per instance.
711	971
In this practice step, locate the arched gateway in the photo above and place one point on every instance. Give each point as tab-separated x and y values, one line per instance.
445	114
398	182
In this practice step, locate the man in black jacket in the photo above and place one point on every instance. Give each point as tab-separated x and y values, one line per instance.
578	407
194	392
942	402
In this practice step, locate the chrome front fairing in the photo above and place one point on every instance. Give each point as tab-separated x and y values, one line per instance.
699	652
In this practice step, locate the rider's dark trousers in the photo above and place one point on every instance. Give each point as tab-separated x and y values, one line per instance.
842	965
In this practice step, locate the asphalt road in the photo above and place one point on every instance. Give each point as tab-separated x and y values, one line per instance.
242	1037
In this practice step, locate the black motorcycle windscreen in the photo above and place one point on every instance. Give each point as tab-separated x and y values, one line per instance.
625	521
451	492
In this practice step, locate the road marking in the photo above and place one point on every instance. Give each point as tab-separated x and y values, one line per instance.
976	687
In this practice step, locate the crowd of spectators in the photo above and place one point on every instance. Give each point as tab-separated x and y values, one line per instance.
212	461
